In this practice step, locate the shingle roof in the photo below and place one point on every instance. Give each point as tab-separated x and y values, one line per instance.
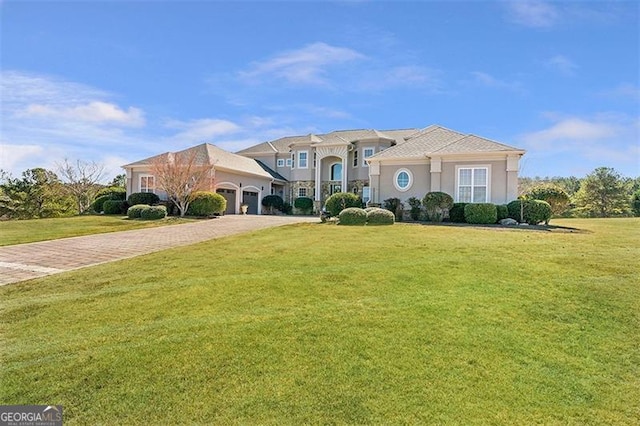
272	172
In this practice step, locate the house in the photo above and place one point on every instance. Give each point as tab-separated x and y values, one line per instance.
392	164
374	164
239	179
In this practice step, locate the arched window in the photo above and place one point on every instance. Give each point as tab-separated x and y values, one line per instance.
336	171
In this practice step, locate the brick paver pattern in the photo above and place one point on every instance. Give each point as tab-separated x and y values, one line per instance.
26	261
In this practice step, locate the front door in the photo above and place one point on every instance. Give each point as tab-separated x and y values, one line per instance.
250	199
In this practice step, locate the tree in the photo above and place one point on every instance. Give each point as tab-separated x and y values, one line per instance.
119	181
181	175
81	181
557	197
635	203
37	194
603	193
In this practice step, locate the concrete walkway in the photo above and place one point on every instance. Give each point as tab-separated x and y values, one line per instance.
26	261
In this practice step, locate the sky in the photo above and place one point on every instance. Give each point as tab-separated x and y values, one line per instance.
118	81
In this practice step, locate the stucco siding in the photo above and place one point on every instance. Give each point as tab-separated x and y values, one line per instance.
420	185
497	173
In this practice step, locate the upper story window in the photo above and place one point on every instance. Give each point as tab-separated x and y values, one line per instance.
280	162
302	159
473	184
147	183
293	160
315	159
336	171
289	162
366	153
403	179
355	158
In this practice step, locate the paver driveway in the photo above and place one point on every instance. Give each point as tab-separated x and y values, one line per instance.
25	261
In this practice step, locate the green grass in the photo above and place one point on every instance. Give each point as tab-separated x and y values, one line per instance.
29	231
311	323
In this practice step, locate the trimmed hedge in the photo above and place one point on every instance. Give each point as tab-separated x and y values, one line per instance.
304	203
134	211
534	211
557	197
415	208
342	200
437	205
480	213
153	213
115	192
353	216
395	206
456	214
143	198
206	203
115	207
98	203
273	202
378	216
503	211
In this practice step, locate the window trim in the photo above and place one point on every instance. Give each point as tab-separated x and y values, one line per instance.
280	162
473	167
395	179
300	192
364	156
288	163
306	160
153	188
331	172
368	190
355	162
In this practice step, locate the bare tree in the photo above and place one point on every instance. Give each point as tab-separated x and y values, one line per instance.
81	181
181	175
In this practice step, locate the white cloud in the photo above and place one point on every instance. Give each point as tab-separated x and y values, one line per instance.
623	91
12	156
572	129
306	66
92	112
202	130
486	80
562	64
532	13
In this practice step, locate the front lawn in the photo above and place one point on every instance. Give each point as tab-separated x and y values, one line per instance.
29	231
311	323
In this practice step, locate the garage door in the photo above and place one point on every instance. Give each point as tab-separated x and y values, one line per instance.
230	196
250	199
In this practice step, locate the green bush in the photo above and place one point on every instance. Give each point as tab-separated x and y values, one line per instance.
133	212
395	206
114	192
153	213
342	200
480	213
143	198
273	202
456	214
115	207
368	209
635	203
503	212
415	208
557	197
98	204
437	205
304	203
287	208
378	216
534	211
206	203
353	216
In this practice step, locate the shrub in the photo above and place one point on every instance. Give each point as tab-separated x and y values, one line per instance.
533	211
273	202
415	206
456	214
368	209
635	203
153	213
480	213
353	216
287	208
114	192
143	198
342	200
437	205
206	203
503	212
115	207
133	212
378	216
557	197
304	203
395	206
98	203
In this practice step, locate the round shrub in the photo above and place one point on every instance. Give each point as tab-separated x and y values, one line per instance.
342	200
133	212
206	203
533	211
368	209
153	213
557	197
456	214
378	216
480	213
98	203
143	198
354	216
304	203
273	202
115	192
503	212
437	205
115	207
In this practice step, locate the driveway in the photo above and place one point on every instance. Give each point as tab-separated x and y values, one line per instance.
26	261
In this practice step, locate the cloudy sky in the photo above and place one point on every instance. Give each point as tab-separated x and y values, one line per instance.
118	81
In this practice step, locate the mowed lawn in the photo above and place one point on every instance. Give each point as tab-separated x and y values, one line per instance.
314	323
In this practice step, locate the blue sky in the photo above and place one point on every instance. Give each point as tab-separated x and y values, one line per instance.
118	81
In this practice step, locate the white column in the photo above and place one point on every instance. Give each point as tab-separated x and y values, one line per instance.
344	175
436	172
318	177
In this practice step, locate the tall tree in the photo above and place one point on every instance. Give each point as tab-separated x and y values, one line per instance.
604	193
181	175
119	181
81	181
37	194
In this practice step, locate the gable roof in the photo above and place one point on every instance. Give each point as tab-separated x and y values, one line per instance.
210	154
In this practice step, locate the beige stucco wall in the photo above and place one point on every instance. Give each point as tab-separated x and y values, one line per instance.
419	187
497	172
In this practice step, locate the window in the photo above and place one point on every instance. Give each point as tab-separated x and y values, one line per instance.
315	159
302	159
289	162
293	160
473	184
366	153
355	158
147	183
366	194
402	180
280	162
302	192
336	171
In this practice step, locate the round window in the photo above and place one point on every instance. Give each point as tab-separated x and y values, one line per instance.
402	180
